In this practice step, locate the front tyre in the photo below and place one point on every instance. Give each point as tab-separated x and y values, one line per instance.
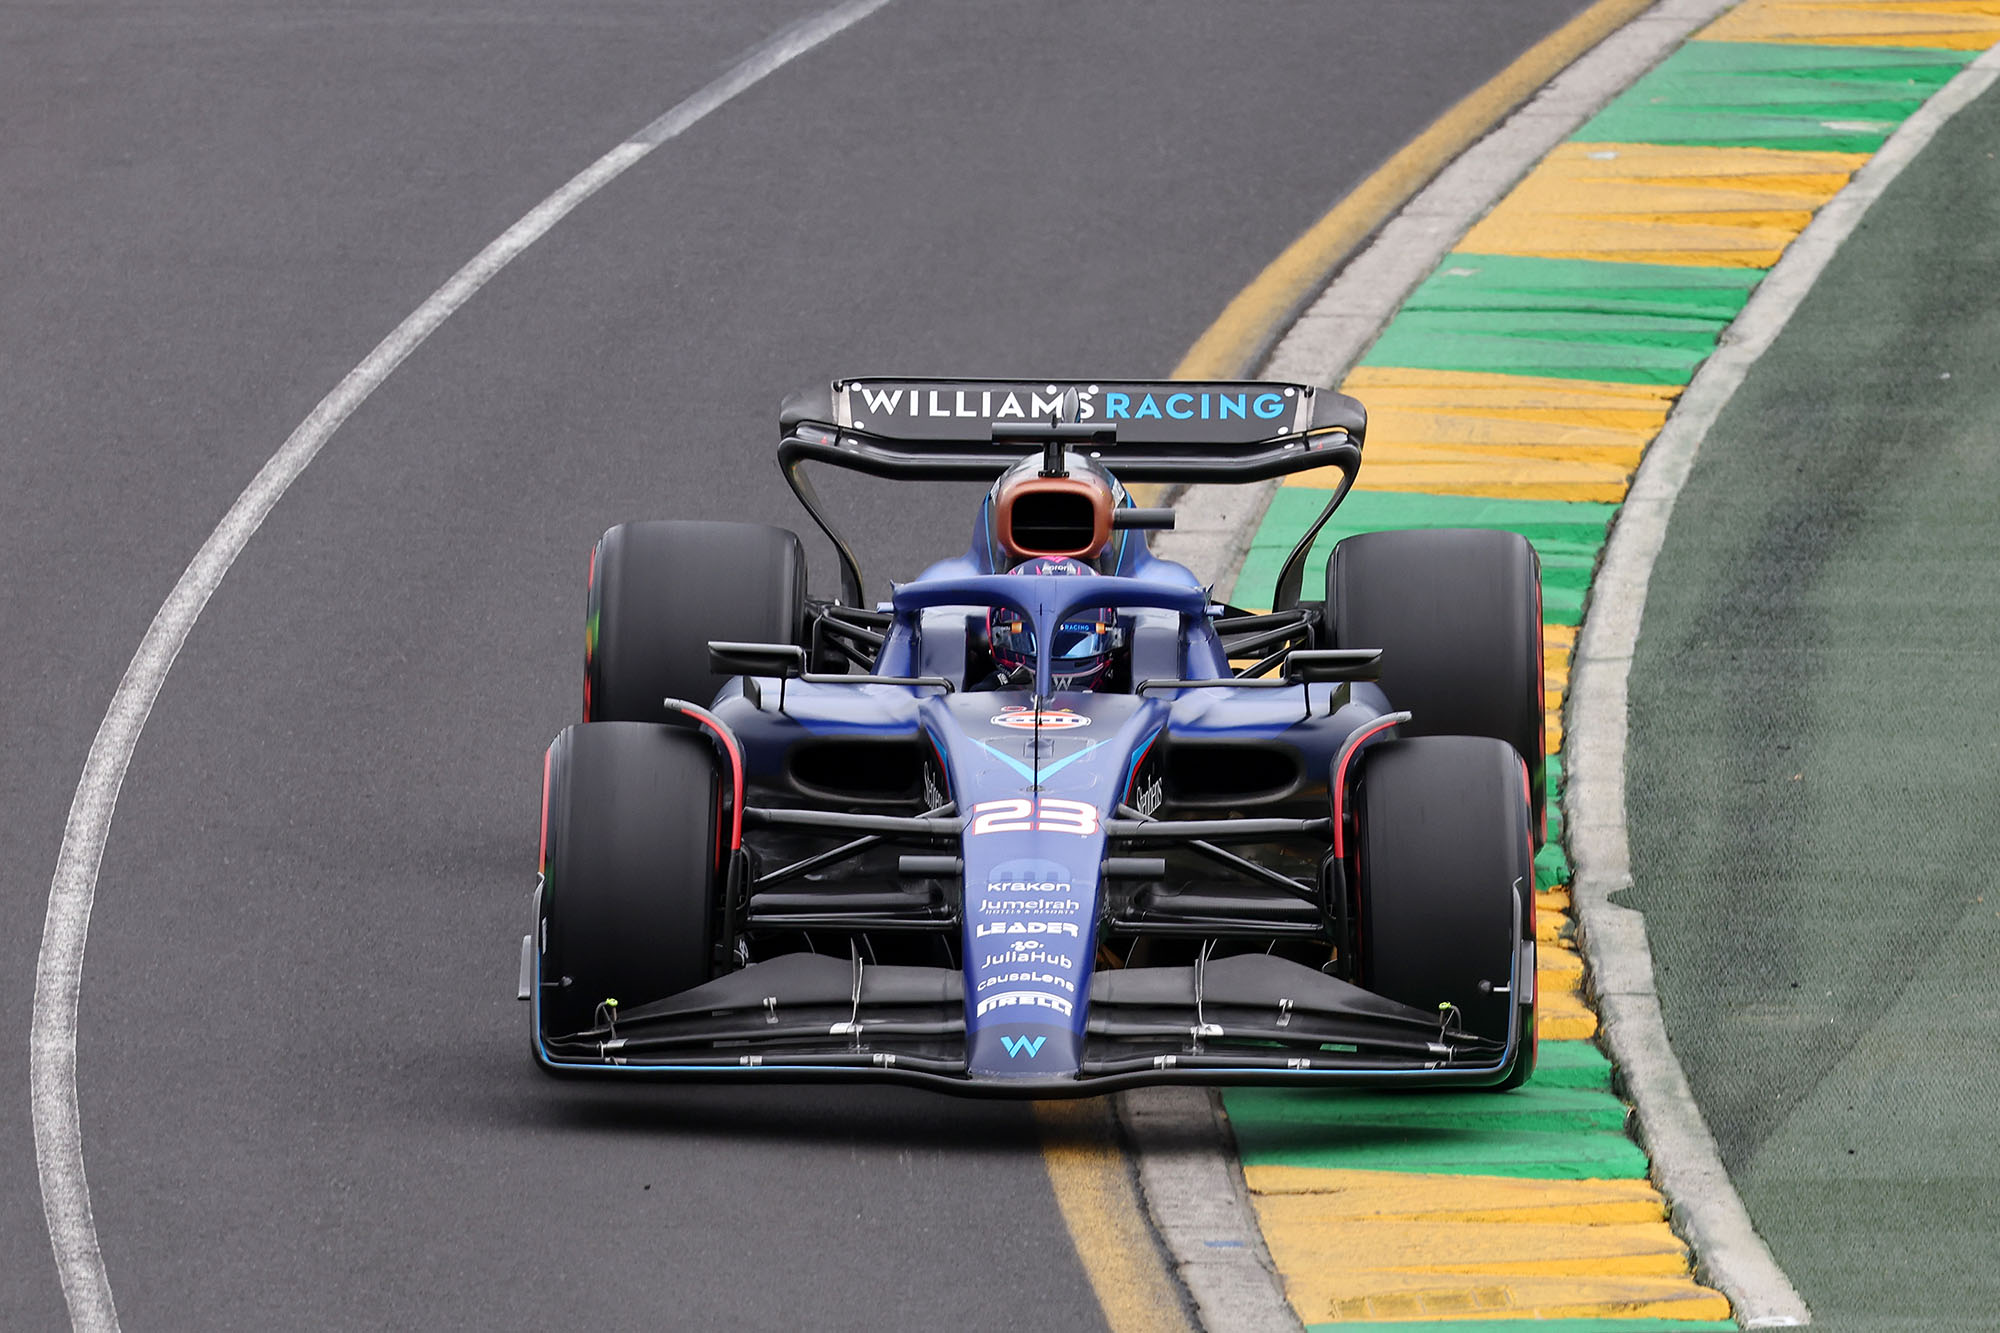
630	869
1445	888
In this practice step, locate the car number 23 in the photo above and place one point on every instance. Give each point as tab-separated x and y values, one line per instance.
1043	814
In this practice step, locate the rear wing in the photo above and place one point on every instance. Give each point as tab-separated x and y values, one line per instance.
1228	431
1148	430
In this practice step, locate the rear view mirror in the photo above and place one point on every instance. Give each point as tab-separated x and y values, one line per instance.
1318	665
756	659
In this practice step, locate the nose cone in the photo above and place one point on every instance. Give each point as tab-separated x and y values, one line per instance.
1036	781
1029	927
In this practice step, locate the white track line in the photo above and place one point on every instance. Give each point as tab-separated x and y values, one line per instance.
59	968
1707	1209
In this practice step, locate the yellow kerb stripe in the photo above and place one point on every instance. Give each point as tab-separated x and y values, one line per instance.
1557	643
1958	25
1510	436
1551	916
1561	1013
1647	203
1390	1245
1409	1197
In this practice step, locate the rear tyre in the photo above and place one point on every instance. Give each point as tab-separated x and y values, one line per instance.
661	590
1457	613
629	868
1445	859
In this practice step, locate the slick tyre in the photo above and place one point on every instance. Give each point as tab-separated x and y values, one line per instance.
629	869
1444	883
661	590
1457	613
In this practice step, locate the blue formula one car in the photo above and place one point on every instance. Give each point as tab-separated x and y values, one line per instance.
1049	821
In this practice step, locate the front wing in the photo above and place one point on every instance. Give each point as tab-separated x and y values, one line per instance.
1245	1019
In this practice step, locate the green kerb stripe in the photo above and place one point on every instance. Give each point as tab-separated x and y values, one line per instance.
1564	1125
1565	318
1520	284
1551	863
1572	1064
1555	785
1621	350
1847	99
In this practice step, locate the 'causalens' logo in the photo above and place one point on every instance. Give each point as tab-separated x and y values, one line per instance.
1016	1045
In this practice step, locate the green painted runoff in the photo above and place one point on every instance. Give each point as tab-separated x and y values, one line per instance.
1815	765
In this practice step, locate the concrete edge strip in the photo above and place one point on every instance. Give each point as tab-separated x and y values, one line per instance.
1686	1163
1188	1169
1200	1209
80	1267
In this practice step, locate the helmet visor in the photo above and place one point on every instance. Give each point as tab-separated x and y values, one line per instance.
1081	640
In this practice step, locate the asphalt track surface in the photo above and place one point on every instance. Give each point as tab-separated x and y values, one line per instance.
1815	765
304	1081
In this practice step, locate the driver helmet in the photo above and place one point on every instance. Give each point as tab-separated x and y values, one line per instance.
1081	655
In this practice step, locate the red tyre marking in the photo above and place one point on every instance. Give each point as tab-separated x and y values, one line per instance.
1339	795
727	740
1352	748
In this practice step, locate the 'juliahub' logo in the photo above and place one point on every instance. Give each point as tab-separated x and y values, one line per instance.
1028	719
